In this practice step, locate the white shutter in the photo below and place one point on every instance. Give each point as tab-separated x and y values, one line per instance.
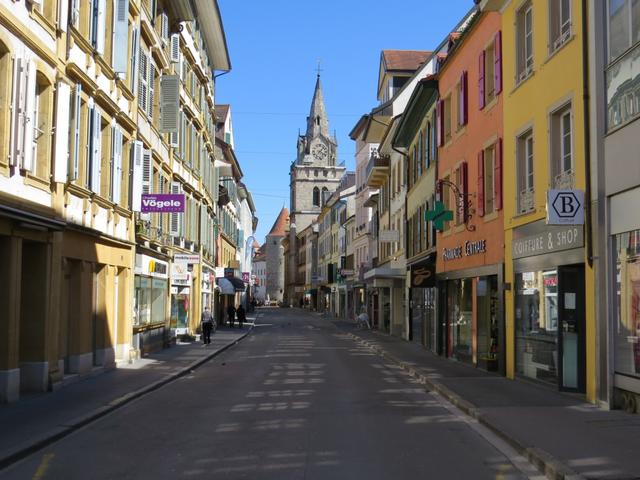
101	25
182	135
96	151
74	159
75	12
135	58
164	25
174	221
63	15
216	184
169	104
30	118
116	164
17	112
120	42
146	171
175	48
136	177
150	86
143	69
203	221
61	149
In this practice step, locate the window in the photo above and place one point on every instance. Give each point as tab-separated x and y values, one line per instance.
624	26
524	35
489	180
462	100
42	116
316	197
559	23
489	159
562	170
446	111
526	192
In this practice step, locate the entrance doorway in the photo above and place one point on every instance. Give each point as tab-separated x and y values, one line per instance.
571	331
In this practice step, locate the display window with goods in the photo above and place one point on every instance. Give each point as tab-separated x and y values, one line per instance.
627	282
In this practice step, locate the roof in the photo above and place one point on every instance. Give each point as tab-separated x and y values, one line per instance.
255	244
281	224
221	112
395	60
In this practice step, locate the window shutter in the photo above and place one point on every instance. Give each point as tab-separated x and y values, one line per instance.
136	177
120	54
63	15
497	67
464	187
74	160
101	26
61	149
216	181
146	177
497	176
175	217
481	80
203	223
30	118
462	101
143	69
169	104
151	86
75	12
181	140
96	151
440	122
116	164
480	194
164	25
175	48
135	58
17	112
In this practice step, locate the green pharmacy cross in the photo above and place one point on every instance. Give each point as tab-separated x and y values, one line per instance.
438	216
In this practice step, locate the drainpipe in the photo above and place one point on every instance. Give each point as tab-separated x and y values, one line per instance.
406	237
587	135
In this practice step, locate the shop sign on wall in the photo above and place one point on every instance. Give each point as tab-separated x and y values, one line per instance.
246	277
423	275
186	258
179	274
548	239
389	236
565	207
467	250
163	203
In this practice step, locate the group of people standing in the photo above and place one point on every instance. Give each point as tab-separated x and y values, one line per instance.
208	323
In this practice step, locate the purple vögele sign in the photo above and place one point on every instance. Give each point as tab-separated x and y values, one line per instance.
162	202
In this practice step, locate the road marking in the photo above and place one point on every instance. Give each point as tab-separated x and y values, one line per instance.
42	469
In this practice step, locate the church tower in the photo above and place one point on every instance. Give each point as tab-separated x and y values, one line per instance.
314	174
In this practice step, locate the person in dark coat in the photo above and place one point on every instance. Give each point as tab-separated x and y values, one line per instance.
231	313
207	326
241	315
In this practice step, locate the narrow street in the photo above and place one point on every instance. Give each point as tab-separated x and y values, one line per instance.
298	398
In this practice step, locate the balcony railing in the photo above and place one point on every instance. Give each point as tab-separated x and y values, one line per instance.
377	169
565	180
526	201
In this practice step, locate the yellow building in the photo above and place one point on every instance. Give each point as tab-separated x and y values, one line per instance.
548	276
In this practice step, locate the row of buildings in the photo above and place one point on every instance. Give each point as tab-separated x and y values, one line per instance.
492	216
104	105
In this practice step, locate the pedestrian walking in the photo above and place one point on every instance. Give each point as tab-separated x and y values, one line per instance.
206	321
231	314
363	320
241	315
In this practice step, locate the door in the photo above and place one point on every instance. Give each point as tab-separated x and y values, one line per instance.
571	331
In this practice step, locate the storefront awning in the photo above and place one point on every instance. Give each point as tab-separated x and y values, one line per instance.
230	285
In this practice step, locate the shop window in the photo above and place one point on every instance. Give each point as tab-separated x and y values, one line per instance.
524	42
627	281
459	319
525	172
562	167
559	23
536	315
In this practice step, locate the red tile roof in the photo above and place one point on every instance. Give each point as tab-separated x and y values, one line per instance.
404	59
281	224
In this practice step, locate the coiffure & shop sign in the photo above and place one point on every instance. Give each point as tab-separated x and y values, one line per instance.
163	203
538	239
467	250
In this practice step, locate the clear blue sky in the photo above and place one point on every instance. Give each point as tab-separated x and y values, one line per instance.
274	48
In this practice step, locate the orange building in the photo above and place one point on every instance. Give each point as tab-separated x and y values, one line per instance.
470	260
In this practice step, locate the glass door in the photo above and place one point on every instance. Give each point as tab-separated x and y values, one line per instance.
571	331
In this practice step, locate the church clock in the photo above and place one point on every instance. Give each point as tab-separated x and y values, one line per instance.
319	151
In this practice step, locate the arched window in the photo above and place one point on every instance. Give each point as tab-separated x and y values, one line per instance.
316	197
324	196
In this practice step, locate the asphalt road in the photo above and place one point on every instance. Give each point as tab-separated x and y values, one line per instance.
297	399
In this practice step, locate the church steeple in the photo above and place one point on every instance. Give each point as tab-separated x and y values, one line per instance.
317	122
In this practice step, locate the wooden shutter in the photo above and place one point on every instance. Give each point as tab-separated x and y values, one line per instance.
480	185
116	164
17	112
175	48
150	86
481	75
147	179
135	58
30	117
143	71
75	12
216	189
169	104
462	100
464	188
74	160
497	176
95	161
63	16
440	122
120	54
497	67
101	25
61	149
136	177
174	217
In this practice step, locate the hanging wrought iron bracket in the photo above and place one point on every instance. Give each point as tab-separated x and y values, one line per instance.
463	201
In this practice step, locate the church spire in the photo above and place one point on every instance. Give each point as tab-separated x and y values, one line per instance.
317	122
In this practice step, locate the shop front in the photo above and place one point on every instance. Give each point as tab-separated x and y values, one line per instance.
151	297
549	301
181	288
422	302
207	288
470	308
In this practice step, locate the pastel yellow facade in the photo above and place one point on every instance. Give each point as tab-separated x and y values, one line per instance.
542	83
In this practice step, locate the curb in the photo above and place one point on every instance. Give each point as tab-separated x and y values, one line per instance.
550	466
99	412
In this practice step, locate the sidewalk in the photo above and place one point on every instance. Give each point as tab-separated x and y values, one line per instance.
560	433
40	419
